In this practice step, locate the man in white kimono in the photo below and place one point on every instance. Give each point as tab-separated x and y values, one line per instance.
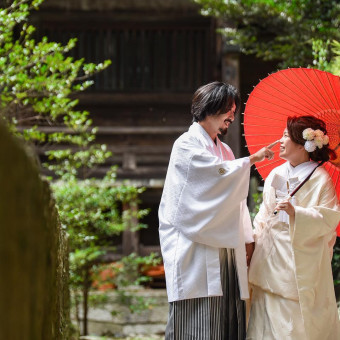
205	223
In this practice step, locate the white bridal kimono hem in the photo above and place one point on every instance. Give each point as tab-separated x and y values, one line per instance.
290	272
203	209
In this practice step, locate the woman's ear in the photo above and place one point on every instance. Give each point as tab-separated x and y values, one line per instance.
302	150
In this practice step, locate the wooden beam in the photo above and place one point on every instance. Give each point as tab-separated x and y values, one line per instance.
117	150
118	130
77	19
130	161
134	98
147	250
143	171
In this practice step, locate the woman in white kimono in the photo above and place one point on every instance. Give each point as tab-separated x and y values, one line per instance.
290	272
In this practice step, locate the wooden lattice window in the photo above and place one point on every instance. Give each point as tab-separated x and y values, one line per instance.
160	58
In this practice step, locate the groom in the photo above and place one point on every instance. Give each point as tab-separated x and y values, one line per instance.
205	223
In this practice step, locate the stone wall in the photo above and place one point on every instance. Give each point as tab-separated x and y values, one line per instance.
33	251
113	319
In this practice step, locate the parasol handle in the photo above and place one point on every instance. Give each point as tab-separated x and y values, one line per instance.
302	183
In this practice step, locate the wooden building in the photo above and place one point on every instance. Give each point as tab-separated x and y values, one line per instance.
161	52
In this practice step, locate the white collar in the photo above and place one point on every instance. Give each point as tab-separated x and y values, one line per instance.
289	177
302	170
198	131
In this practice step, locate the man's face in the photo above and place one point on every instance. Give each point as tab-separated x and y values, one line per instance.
222	121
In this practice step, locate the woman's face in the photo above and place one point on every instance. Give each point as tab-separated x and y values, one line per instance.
290	151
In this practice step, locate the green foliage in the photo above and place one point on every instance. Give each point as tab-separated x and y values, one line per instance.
336	262
258	198
126	276
91	212
37	84
129	268
94	212
334	65
277	30
321	51
320	54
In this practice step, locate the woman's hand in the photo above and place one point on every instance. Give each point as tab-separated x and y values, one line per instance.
287	207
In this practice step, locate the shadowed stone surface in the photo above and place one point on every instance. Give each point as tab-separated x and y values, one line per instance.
149	322
33	252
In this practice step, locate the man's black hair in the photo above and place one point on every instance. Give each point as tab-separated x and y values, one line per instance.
214	98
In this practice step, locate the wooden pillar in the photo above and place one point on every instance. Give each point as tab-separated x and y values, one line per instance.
129	161
131	238
230	75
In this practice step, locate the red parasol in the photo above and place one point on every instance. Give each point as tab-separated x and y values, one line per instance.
293	92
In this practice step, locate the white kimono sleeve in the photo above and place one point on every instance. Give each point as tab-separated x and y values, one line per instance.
260	220
247	227
208	209
318	221
312	232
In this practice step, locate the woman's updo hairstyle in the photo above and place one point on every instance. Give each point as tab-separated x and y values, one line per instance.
297	124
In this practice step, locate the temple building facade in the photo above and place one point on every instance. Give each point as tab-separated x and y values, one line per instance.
161	52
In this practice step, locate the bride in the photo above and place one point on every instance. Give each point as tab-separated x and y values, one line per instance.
290	272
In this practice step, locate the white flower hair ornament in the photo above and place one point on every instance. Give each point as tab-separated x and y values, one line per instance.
314	139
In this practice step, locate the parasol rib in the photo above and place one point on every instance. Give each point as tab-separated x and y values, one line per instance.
257	135
327	104
331	171
336	181
261	108
285	108
331	113
262	125
293	99
282	107
308	88
323	87
316	103
257	116
335	96
252	145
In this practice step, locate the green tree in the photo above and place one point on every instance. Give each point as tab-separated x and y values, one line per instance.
321	52
277	30
38	84
94	212
334	64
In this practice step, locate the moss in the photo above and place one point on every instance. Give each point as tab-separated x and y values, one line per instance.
33	251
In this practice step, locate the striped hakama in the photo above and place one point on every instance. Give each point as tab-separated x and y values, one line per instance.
211	318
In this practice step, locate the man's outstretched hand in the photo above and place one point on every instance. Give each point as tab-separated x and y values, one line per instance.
263	153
